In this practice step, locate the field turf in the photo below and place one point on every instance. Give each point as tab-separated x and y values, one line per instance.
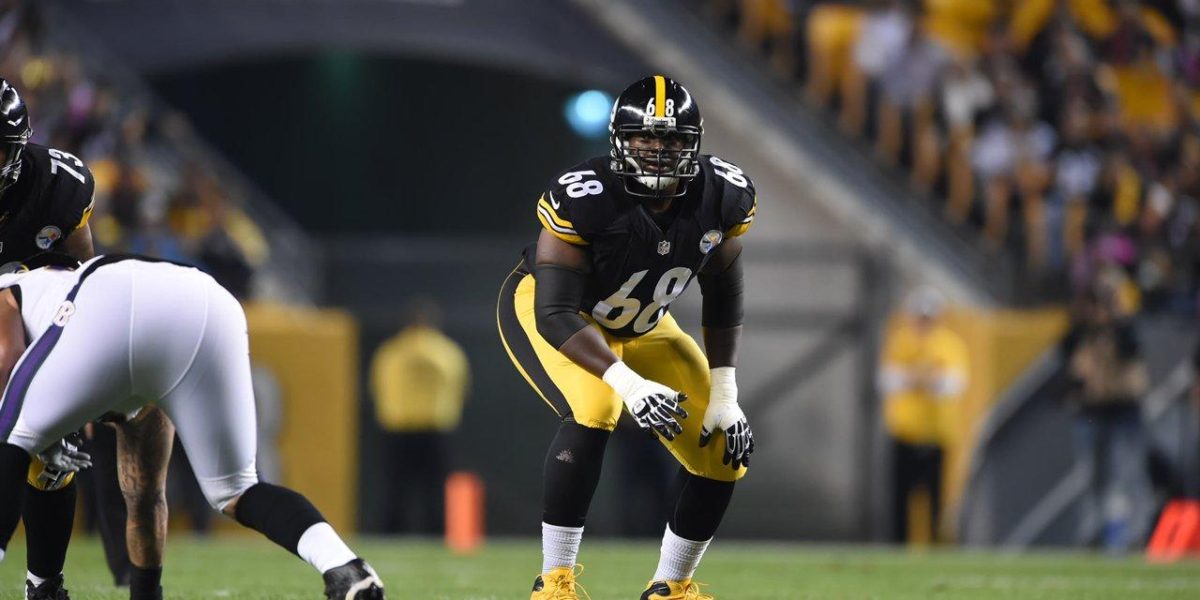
253	569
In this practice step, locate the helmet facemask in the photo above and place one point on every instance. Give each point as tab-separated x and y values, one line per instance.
10	166
14	133
661	160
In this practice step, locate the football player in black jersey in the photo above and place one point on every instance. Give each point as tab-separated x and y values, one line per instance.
46	199
584	319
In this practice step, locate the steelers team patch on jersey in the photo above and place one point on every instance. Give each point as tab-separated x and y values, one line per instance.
47	237
710	240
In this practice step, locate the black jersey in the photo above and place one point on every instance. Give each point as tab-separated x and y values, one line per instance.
51	198
640	262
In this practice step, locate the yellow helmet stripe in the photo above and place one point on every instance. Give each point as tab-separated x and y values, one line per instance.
660	96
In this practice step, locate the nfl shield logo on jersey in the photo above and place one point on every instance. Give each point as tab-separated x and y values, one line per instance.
710	241
47	236
664	247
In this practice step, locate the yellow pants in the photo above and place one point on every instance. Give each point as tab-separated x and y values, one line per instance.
665	354
44	480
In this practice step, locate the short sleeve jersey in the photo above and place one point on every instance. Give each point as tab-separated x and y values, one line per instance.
640	264
52	198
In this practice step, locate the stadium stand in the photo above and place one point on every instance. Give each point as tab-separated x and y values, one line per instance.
159	190
1059	137
1064	138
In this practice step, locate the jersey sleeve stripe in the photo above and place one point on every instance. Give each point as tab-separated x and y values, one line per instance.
744	225
738	229
87	213
543	205
750	214
548	217
567	235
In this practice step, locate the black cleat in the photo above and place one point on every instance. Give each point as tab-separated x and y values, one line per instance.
51	589
355	580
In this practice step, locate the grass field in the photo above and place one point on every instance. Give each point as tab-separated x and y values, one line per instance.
253	569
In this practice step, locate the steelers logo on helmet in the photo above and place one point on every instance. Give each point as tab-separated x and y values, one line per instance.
655	133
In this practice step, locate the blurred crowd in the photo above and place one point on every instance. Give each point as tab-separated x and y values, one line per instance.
1063	132
155	192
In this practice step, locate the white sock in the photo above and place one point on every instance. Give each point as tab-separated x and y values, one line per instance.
321	547
34	579
560	546
679	557
1	555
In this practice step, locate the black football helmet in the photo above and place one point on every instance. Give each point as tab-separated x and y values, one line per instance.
14	133
656	107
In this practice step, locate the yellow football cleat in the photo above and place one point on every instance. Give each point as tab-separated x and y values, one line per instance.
559	584
674	590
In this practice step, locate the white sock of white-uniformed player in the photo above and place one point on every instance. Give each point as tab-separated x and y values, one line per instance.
679	557
321	547
560	546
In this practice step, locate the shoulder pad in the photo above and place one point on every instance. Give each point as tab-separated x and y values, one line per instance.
737	196
562	207
70	189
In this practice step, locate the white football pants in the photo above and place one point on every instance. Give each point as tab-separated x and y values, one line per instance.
142	333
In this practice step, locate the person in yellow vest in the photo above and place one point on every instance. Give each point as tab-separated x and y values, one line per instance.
922	376
419	379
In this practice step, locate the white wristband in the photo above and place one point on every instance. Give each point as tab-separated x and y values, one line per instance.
622	379
724	386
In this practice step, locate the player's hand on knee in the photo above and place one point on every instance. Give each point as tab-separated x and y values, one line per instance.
65	456
657	410
739	439
654	406
725	416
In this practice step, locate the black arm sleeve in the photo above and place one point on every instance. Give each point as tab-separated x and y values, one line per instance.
722	296
557	298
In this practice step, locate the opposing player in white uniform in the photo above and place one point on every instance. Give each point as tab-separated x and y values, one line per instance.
118	333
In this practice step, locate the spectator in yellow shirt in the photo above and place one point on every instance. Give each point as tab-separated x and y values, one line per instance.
923	372
419	379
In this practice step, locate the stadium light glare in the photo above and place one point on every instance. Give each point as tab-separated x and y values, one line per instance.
587	113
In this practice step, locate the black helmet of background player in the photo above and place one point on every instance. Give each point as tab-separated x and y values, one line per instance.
14	133
655	132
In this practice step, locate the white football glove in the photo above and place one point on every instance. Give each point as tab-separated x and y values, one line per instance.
654	406
65	456
725	416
